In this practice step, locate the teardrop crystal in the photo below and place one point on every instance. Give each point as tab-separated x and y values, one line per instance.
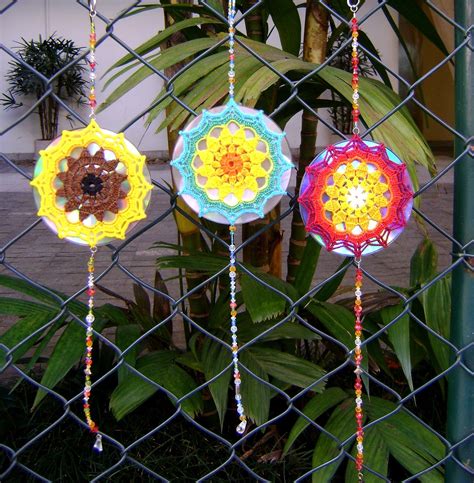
241	427
98	443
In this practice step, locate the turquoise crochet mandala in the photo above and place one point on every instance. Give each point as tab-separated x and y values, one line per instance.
229	164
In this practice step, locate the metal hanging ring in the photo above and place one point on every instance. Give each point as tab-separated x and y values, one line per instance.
353	5
92	8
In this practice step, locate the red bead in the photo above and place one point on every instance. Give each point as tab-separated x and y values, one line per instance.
90	292
233	305
354	20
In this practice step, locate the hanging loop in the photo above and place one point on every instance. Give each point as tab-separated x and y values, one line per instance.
92	8
353	5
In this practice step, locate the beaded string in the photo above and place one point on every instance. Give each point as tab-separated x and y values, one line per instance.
233	328
232	269
91	58
354	6
89	343
231	20
94	429
359	414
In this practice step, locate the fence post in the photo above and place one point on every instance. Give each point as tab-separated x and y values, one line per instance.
460	382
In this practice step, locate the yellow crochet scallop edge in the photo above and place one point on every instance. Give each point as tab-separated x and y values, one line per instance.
250	180
341	212
81	138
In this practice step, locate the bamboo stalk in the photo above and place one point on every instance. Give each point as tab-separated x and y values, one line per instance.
314	50
265	251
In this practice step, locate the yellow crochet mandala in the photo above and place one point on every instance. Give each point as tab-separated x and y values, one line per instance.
227	162
91	185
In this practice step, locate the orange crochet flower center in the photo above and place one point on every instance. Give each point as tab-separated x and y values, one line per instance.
232	164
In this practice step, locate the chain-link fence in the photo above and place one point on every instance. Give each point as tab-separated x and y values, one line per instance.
168	431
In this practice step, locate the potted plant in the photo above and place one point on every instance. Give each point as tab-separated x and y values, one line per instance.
47	56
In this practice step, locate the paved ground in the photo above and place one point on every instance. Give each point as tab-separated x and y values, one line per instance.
61	265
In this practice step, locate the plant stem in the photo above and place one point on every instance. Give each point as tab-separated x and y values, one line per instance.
314	50
265	251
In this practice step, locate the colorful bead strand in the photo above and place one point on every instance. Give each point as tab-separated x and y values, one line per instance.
358	371
88	357
355	72
231	20
91	59
233	328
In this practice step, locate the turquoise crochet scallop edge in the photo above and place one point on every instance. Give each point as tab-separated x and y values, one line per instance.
208	122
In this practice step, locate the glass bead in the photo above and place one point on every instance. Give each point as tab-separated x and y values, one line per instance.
98	443
241	427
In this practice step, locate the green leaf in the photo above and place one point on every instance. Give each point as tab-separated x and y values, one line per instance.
341	426
376	456
197	262
125	336
414	446
289	330
436	302
66	353
156	41
337	320
309	261
142	299
287	21
317	406
288	368
399	336
214	358
211	91
376	100
21	308
116	316
19	285
261	302
161	61
415	14
329	288
184	82
424	263
160	368
22	329
255	395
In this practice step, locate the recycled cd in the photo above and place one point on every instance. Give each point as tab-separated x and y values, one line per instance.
232	164
91	185
356	197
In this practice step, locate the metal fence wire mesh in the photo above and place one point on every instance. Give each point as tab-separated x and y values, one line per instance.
18	457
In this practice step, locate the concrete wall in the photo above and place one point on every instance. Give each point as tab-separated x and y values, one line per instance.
30	18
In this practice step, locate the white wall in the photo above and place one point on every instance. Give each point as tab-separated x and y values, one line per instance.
29	18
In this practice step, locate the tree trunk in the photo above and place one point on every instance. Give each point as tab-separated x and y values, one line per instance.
265	251
190	234
314	50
